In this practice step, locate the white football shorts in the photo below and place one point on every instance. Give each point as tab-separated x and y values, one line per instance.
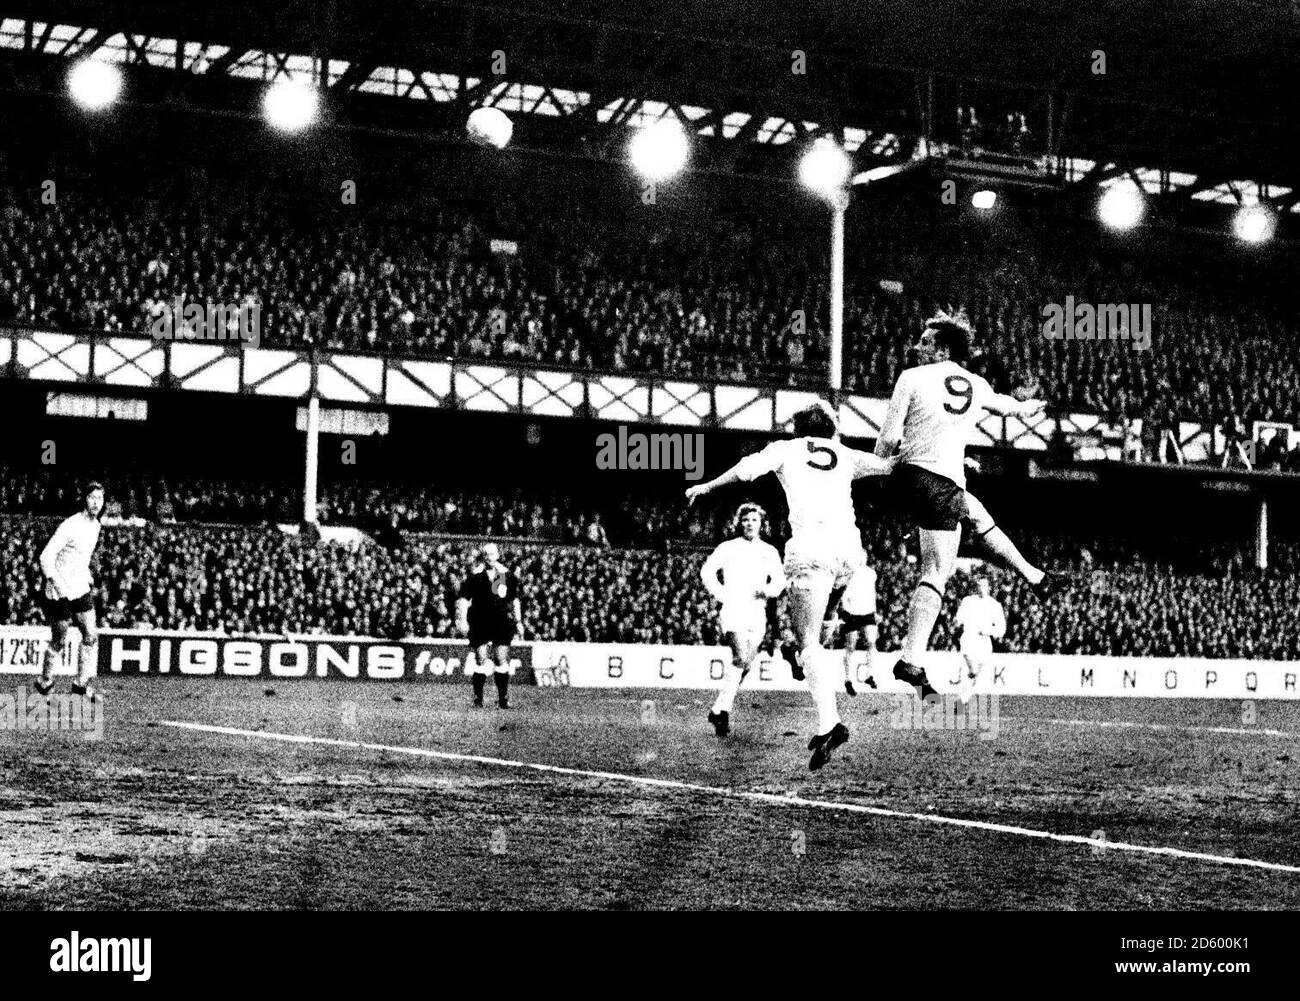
822	562
747	619
975	644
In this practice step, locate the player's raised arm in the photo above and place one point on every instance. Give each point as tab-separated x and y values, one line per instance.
1009	406
749	468
866	464
891	432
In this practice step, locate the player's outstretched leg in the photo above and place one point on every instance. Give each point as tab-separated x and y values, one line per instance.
986	536
1003	552
938	558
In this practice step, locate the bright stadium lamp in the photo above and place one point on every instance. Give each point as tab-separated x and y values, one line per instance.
1254	224
825	168
94	85
1122	206
984	199
290	106
490	126
659	151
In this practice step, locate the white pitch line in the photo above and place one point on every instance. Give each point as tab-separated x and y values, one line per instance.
1245	731
762	797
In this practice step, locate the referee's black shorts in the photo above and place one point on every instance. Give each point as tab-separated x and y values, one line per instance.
498	633
927	499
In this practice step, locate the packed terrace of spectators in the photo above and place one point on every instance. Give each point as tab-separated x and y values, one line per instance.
600	285
1130	595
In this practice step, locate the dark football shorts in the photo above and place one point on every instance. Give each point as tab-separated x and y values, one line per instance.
62	609
500	633
927	499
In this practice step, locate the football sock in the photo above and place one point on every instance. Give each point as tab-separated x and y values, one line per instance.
86	656
502	678
730	686
480	682
47	663
822	685
921	616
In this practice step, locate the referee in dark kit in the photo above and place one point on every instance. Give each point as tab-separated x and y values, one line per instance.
488	611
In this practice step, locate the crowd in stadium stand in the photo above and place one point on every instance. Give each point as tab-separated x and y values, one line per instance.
251	580
639	289
670	294
383	507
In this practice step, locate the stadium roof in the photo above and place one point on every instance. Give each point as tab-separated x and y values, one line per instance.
1200	87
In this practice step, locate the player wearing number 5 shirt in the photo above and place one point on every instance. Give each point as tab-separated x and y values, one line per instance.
816	471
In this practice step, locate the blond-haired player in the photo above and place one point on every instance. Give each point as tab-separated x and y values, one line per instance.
981	621
744	574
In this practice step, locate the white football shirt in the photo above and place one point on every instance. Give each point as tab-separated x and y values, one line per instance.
817	476
66	557
980	617
933	414
746	567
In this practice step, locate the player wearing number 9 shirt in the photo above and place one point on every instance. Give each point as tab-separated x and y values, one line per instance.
817	471
931	418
